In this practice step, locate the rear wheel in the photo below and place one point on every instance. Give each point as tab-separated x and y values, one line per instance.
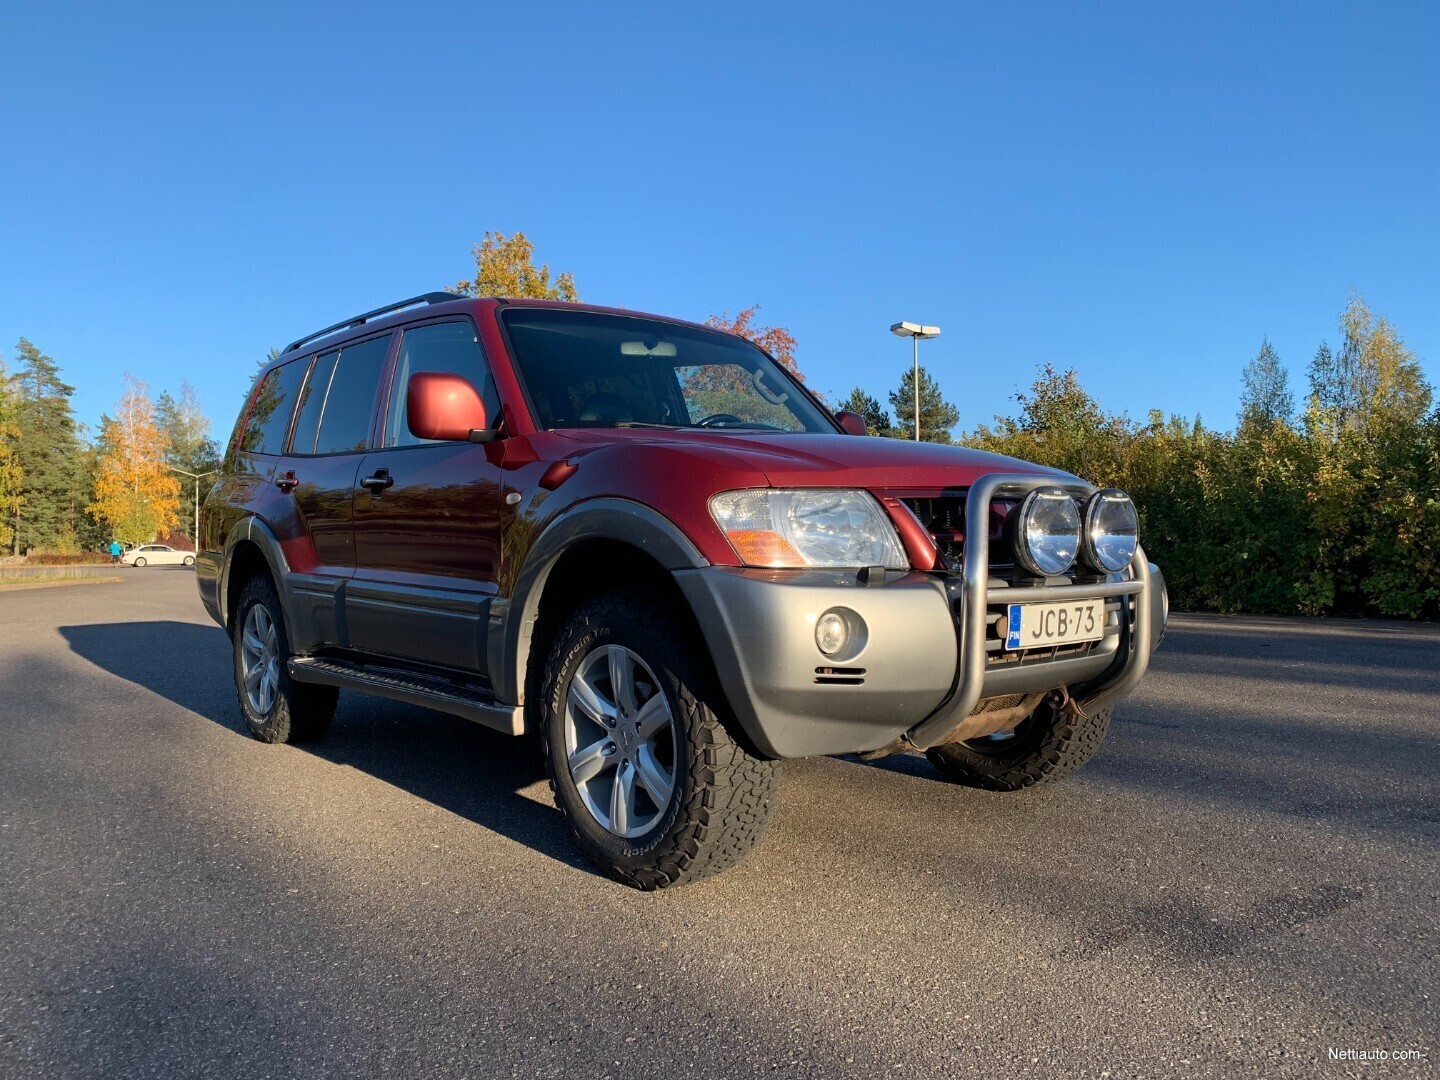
656	790
140	562
1049	745
275	707
189	560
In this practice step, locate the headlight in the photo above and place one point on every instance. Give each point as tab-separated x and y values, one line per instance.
1110	530
790	528
1047	531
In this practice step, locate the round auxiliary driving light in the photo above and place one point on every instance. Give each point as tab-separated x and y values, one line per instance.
1047	532
831	633
841	634
1111	528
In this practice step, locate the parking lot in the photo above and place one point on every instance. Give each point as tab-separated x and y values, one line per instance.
1245	881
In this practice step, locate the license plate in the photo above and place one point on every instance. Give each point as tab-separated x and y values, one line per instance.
1033	626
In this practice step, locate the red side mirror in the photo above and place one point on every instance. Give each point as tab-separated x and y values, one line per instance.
852	422
439	405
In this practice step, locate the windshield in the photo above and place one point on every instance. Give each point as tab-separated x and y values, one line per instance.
584	369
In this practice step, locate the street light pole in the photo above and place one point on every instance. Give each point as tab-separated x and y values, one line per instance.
915	381
914	331
196	477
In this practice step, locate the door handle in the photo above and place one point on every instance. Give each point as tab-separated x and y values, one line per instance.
288	483
378	482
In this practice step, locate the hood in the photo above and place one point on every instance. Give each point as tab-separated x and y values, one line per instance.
820	460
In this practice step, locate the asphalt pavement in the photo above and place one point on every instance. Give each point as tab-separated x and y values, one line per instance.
1243	882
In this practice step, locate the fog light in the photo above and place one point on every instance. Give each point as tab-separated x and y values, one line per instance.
831	633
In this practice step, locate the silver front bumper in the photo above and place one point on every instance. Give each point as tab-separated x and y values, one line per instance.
789	697
924	667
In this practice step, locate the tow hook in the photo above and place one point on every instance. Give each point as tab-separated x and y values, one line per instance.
1061	701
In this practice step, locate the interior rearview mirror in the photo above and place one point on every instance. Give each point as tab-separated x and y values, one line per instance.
641	348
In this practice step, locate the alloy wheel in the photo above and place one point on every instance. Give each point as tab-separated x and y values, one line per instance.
260	660
620	741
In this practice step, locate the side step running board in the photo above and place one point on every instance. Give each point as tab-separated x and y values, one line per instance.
471	703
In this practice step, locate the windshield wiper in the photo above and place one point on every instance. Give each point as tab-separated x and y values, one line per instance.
744	425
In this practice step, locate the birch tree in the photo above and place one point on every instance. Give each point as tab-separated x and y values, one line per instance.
135	492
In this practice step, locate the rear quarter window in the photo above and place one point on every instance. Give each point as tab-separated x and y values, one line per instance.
271	406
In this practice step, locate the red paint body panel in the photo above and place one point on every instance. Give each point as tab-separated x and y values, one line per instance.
322	509
438	525
919	546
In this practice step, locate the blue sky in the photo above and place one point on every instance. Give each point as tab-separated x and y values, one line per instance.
1138	191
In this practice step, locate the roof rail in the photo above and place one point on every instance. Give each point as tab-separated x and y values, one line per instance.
361	320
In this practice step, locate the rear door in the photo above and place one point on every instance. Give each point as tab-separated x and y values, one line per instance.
427	519
333	427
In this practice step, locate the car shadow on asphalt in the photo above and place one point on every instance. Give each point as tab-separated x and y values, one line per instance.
1362	781
452	763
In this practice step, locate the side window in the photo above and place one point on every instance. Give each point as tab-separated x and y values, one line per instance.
271	409
312	403
450	347
350	403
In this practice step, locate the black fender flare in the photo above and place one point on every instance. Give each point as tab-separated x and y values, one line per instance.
512	618
255	531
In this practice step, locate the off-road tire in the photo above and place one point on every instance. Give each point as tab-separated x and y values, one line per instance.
1048	746
300	712
723	793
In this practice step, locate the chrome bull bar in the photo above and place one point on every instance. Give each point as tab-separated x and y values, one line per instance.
976	597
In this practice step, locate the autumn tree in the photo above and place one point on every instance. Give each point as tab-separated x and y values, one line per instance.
1374	378
135	493
937	416
877	420
48	449
775	340
505	266
190	448
729	388
1375	491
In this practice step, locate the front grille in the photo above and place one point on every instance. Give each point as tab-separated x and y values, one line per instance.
944	518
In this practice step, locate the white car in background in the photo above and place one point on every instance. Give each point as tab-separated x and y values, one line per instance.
157	555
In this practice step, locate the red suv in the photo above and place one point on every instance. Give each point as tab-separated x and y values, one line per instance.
645	542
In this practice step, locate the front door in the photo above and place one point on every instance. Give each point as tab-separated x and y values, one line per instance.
427	521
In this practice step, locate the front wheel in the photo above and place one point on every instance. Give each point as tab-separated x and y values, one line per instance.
1049	745
655	788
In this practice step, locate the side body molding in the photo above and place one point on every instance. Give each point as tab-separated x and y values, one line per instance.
512	618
